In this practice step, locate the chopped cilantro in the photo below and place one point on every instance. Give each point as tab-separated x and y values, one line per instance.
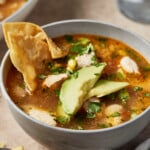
103	41
49	65
75	74
62	119
115	114
120	76
81	49
57	70
69	38
146	68
95	61
137	88
93	108
123	95
83	41
111	96
57	92
41	76
78	49
111	76
147	94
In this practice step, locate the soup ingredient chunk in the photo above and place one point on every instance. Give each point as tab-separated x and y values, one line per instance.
74	90
114	114
84	60
42	116
129	65
52	79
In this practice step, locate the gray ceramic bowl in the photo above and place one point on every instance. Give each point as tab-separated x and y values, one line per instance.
67	139
20	14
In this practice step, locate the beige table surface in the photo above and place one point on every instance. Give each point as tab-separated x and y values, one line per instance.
48	11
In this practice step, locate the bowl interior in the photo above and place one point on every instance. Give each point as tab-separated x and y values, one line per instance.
86	27
97	28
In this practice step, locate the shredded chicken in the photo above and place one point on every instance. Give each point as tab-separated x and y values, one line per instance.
110	111
129	65
84	60
52	79
42	116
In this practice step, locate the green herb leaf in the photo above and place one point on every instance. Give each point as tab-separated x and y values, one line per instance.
137	88
124	96
146	68
62	119
147	94
83	41
81	49
78	49
115	114
103	41
120	76
111	96
55	69
57	92
75	74
95	61
69	38
93	108
41	76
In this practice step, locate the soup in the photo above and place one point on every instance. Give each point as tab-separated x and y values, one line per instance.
100	83
8	7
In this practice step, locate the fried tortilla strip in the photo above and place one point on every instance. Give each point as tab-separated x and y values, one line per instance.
18	148
30	29
27	55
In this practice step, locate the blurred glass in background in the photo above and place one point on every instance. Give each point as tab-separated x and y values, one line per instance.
137	10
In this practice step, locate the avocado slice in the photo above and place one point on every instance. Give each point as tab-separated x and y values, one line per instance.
105	87
62	117
74	90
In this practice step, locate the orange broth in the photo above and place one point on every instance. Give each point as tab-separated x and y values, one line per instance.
107	50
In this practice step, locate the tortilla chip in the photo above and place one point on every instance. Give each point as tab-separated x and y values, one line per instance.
2	145
30	29
18	148
27	55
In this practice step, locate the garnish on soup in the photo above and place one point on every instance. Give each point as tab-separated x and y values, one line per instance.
77	81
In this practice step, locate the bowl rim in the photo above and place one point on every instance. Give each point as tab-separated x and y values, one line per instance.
60	129
18	11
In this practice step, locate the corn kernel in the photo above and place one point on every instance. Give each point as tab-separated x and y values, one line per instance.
2	145
122	52
71	64
112	47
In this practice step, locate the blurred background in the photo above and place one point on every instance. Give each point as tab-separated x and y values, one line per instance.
47	11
